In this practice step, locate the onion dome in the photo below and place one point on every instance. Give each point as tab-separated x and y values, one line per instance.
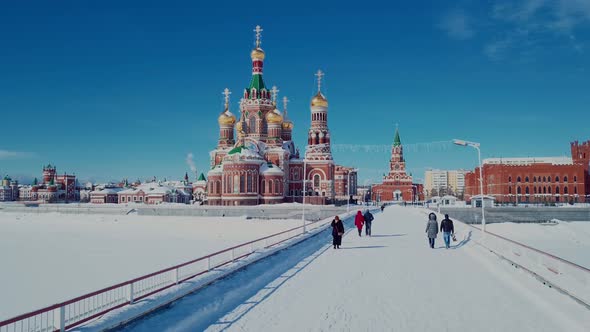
274	116
226	118
257	54
319	100
288	125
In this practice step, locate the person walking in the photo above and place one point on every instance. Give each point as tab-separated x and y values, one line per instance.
447	228
382	207
337	232
359	221
368	221
431	229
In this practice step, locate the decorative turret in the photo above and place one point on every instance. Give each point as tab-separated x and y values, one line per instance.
274	121
287	124
319	133
257	90
49	172
226	123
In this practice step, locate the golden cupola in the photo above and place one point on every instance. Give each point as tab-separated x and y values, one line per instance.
257	54
226	118
287	123
319	100
274	116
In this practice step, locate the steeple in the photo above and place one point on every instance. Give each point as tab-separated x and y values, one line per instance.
397	141
319	99
257	89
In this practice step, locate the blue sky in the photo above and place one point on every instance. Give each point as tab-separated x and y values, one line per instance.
115	89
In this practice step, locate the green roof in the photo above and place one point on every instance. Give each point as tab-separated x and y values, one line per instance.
201	177
237	149
257	83
397	141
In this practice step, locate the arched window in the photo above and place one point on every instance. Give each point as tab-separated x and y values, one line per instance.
549	190
277	186
544	179
549	179
236	183
242	183
565	191
252	124
518	179
518	190
526	190
526	179
249	180
316	180
557	178
544	190
557	190
509	179
263	187
534	179
218	189
535	189
565	178
575	178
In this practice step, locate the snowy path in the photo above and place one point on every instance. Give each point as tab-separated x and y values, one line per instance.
389	282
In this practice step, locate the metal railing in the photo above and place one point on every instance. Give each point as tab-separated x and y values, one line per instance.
568	277
79	310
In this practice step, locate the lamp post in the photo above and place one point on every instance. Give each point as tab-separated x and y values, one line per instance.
476	146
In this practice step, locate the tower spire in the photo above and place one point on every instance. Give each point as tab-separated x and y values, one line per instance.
226	93
258	31
257	55
397	141
285	102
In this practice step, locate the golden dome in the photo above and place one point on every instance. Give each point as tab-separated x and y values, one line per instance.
319	100
288	125
239	126
274	117
226	118
257	54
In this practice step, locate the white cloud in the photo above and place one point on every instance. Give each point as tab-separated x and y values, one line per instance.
457	24
5	154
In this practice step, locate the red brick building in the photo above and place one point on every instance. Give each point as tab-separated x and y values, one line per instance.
397	185
535	180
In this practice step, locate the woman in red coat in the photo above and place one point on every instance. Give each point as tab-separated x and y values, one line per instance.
359	221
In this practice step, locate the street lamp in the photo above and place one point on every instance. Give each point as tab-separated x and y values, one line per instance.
476	146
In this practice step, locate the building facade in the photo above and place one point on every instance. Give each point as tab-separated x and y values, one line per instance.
397	185
444	182
534	180
8	189
262	165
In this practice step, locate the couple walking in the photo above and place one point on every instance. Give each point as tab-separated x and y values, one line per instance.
446	226
359	221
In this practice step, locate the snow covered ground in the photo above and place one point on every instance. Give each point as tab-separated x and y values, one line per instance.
50	257
568	240
391	281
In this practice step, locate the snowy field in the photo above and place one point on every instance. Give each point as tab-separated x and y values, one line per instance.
568	240
47	258
389	282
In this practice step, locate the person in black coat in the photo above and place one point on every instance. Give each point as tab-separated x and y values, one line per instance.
337	232
447	228
368	221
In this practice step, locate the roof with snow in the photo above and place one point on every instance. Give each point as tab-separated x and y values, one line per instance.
529	161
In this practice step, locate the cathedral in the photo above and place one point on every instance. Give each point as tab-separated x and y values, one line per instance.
397	184
260	164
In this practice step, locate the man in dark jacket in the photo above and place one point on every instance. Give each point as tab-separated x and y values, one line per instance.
368	219
446	226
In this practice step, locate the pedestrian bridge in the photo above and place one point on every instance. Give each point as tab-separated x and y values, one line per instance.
391	281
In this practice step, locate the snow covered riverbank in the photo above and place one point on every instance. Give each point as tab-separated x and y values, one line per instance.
568	240
51	257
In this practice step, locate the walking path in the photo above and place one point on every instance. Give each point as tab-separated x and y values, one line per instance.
391	281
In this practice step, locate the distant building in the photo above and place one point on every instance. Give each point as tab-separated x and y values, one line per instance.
105	195
534	180
154	193
444	182
200	189
8	190
342	176
397	185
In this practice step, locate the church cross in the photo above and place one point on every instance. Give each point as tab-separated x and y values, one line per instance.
274	92
319	75
226	93
285	102
258	31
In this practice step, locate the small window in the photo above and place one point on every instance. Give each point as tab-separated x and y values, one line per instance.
518	190
544	179
565	178
518	179
575	178
549	190
526	190
535	189
557	190
534	179
548	179
526	179
509	179
565	191
557	179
